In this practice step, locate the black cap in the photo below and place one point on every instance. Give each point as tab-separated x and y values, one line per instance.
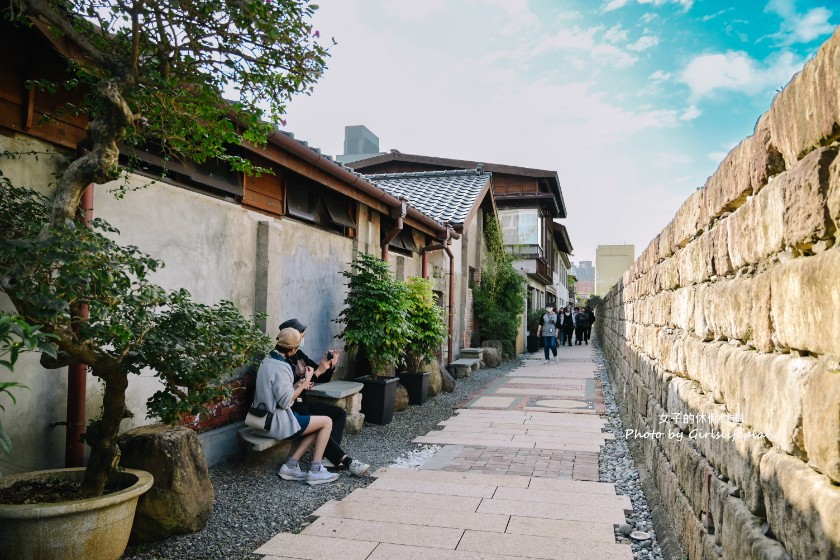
293	324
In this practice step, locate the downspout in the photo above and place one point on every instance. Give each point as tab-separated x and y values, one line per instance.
398	213
444	245
74	448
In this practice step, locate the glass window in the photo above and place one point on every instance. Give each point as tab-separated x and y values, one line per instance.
521	226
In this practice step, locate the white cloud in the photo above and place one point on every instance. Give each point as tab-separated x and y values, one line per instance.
413	11
614	5
583	40
737	71
691	113
660	76
686	4
643	43
710	17
800	27
616	34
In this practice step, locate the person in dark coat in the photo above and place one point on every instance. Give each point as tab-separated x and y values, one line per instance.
567	323
334	455
589	320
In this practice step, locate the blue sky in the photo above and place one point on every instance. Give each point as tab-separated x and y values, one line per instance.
633	102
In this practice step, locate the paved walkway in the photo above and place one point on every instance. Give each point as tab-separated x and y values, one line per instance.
517	477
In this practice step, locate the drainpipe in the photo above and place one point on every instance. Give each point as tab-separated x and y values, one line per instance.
444	245
398	213
74	448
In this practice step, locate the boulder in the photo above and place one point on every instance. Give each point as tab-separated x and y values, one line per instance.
492	357
401	402
181	499
447	382
497	344
435	380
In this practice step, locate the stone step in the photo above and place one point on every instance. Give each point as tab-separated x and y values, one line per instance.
464	367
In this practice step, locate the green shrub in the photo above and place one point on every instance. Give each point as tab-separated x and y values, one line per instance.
426	327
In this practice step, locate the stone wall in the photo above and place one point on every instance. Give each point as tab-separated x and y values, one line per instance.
723	339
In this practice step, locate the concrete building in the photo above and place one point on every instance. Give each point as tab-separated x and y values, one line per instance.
359	143
611	261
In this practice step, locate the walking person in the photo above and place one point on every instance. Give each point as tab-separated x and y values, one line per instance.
334	455
548	330
567	323
276	390
589	318
579	320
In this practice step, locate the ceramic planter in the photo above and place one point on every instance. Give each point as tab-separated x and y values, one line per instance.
378	398
91	528
417	385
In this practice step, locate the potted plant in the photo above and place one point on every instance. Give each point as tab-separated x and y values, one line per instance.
426	332
375	324
129	325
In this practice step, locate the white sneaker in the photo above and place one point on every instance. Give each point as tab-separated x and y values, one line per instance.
321	477
357	468
327	463
291	474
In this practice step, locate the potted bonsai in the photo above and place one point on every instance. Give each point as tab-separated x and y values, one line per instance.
95	298
375	325
426	332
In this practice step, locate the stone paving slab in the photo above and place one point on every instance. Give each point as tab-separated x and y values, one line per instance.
551	511
376	498
312	547
531	546
413	515
547	381
493	402
564	498
393	552
430	487
466	440
606	488
394	533
456	478
540	392
561	528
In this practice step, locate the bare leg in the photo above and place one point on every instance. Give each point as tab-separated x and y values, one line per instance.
319	430
303	444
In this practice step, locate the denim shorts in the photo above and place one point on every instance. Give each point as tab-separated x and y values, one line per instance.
304	423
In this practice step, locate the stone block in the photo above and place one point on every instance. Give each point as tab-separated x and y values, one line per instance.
666	242
806	113
492	357
354	423
766	160
833	194
435	381
768	391
803	507
335	389
742	535
262	450
805	300
717	248
682	308
821	422
729	186
401	399
807	218
687	221
350	403
761	325
765	220
181	499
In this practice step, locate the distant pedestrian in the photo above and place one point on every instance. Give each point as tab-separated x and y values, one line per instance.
548	330
579	320
589	318
567	323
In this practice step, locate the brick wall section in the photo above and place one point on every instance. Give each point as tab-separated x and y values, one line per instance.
228	410
729	324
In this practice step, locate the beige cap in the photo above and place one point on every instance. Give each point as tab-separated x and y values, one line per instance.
289	338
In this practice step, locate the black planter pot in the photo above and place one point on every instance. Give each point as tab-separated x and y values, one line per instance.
378	398
417	385
534	343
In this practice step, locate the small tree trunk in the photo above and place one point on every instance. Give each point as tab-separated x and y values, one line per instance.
105	454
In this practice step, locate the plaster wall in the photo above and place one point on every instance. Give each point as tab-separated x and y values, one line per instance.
724	339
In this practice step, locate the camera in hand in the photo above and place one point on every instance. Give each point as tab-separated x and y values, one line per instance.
330	355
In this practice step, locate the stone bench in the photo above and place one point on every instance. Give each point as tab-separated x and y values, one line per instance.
464	367
345	395
474	354
261	450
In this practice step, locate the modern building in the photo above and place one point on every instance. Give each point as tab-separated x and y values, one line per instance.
611	261
585	274
359	143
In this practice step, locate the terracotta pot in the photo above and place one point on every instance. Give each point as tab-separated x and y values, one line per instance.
90	528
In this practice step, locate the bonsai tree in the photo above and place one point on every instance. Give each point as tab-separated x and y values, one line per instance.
375	313
148	74
132	323
426	328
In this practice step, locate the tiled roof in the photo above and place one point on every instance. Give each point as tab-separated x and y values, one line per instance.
445	196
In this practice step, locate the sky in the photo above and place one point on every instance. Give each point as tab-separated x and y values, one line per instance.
634	103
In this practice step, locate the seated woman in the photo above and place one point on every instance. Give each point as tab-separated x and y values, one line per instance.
277	390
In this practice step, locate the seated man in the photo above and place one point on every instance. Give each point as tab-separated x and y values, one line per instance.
334	456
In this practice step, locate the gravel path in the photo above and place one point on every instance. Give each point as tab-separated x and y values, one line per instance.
253	504
617	466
